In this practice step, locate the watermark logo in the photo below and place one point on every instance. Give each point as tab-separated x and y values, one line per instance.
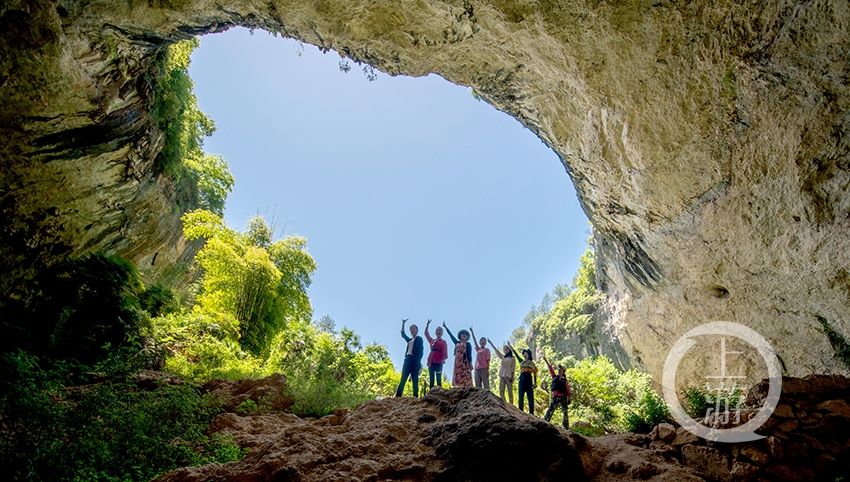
741	433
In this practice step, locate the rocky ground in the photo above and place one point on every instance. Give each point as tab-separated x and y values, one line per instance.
468	434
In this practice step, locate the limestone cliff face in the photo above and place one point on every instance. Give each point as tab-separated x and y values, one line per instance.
78	147
709	141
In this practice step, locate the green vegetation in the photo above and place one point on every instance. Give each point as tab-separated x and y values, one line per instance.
563	320
253	285
251	318
840	345
605	398
79	412
73	341
71	407
247	407
79	308
203	179
572	315
335	371
611	400
698	400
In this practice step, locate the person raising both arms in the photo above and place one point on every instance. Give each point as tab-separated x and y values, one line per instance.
437	357
482	362
561	393
507	369
527	377
463	358
412	359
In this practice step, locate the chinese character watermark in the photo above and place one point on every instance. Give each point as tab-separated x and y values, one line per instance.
722	411
741	433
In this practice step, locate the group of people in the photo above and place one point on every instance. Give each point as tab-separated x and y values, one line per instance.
465	374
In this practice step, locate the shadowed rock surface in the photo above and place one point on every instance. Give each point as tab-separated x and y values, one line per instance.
806	437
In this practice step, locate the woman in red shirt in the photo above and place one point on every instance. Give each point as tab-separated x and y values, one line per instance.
439	354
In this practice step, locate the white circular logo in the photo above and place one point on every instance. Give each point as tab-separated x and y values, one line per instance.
742	433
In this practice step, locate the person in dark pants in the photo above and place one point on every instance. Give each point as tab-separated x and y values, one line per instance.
437	357
561	393
412	359
527	377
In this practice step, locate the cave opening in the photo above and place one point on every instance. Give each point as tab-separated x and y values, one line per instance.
707	142
417	198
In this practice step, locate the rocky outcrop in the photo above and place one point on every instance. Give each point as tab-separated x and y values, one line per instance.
598	339
462	434
709	142
469	434
265	394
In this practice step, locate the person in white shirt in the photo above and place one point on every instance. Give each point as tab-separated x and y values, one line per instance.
412	359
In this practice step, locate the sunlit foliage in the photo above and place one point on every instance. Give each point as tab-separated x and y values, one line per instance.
204	178
571	313
605	398
258	283
252	317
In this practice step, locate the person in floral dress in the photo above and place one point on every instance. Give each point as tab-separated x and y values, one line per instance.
463	358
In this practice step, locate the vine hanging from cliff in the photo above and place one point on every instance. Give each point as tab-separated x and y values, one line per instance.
203	179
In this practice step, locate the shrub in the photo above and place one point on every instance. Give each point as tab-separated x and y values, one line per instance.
79	307
316	398
610	400
651	411
698	400
326	371
247	407
100	429
159	300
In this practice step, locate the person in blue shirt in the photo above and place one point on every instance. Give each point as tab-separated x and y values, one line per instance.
412	359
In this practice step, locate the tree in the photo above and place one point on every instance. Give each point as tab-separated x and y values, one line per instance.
258	282
326	324
259	233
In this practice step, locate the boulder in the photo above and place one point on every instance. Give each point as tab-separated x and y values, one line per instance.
665	432
836	407
708	461
470	435
755	454
683	437
267	393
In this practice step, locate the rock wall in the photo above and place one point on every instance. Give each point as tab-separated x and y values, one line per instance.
708	140
805	438
78	148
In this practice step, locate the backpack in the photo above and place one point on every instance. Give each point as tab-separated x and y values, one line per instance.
559	384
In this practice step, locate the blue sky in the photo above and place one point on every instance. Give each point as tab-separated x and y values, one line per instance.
417	200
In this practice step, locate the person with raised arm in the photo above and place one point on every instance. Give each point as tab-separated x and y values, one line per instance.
507	370
412	359
561	393
437	357
527	377
482	361
463	358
